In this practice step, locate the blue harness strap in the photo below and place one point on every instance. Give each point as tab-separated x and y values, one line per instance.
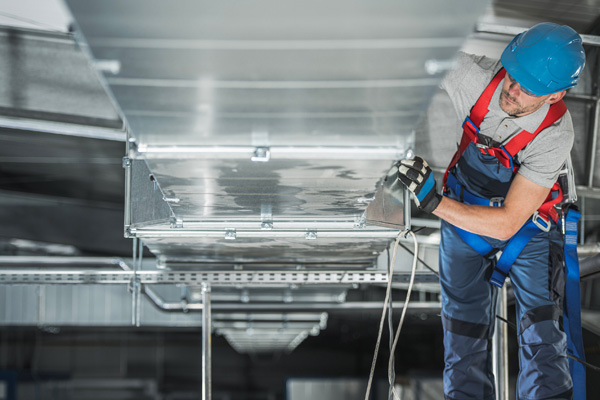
572	307
476	242
468	197
513	248
512	251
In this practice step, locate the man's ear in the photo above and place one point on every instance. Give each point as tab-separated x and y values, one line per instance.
556	97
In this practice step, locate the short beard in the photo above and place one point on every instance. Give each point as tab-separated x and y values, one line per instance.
519	109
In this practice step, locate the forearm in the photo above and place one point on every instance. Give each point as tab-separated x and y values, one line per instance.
521	201
495	222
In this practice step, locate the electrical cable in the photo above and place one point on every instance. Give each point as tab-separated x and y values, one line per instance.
385	306
410	286
421	261
397	335
391	328
511	324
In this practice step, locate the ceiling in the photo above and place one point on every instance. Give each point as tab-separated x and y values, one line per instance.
254	136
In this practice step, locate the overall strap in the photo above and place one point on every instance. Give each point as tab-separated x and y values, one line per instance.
522	139
572	304
473	121
512	251
505	153
481	107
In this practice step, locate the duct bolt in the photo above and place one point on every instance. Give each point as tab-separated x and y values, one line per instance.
153	180
184	306
310	235
230	234
176	222
261	154
245	297
205	287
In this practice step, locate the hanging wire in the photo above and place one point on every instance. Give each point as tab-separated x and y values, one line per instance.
510	324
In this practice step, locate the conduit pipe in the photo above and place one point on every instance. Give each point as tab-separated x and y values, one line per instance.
590	268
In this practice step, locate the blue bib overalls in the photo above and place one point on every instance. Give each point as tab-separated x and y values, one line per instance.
469	300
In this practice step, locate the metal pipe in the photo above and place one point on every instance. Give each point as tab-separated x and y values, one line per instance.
590	268
594	145
582	224
127	164
206	343
579	96
407	209
500	348
584	191
483	27
430	306
504	342
427	223
138	287
588	250
133	285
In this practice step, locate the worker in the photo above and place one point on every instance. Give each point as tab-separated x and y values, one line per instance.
500	196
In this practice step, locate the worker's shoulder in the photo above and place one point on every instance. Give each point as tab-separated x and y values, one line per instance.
556	136
472	73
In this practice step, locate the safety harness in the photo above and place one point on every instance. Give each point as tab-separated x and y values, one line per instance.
540	221
505	154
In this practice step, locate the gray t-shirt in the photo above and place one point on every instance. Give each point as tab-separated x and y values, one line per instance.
543	158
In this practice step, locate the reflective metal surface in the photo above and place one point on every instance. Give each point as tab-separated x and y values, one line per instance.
257	333
46	78
270	110
259	132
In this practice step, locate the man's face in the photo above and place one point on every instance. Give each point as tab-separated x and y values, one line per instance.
516	101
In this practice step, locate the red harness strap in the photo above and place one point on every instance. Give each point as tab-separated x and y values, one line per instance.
505	154
474	120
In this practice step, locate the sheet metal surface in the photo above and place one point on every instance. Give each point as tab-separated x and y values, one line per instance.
209	188
347	251
333	89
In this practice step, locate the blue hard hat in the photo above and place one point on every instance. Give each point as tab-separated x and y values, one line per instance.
545	59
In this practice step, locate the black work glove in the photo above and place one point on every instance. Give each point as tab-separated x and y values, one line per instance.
417	176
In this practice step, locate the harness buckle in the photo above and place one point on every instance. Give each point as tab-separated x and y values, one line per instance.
540	222
496	201
481	146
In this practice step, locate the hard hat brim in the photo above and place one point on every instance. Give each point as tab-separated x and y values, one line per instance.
513	67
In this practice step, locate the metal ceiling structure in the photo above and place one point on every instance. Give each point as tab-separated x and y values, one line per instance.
256	140
252	133
245	141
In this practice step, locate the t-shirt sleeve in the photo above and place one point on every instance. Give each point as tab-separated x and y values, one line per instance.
463	67
543	158
467	80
